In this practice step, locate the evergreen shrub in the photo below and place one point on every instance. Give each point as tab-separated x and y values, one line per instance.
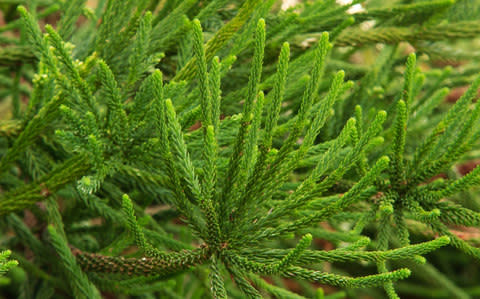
225	148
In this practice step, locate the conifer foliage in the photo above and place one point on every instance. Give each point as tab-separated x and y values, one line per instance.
195	149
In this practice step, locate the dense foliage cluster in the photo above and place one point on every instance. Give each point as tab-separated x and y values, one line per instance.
241	149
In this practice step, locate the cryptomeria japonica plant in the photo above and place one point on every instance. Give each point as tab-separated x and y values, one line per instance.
147	156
